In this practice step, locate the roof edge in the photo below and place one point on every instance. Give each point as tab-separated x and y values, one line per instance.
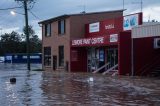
54	19
68	15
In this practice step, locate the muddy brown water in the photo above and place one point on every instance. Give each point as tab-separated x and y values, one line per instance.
74	89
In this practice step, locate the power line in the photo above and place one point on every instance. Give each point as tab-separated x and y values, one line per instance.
34	15
10	8
141	4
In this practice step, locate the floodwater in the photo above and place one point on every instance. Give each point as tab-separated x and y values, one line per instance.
74	89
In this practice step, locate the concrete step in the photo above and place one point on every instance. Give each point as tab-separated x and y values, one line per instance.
60	69
112	73
157	68
155	73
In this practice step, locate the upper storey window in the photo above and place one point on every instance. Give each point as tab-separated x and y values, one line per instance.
61	27
47	30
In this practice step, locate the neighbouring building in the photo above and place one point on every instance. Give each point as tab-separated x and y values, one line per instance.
101	42
146	49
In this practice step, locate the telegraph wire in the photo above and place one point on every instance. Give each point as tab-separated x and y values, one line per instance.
10	8
34	15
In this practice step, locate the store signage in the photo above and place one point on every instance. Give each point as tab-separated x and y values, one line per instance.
8	57
31	57
114	38
110	26
130	21
88	41
94	27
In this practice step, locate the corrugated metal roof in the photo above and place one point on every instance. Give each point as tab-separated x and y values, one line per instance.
146	30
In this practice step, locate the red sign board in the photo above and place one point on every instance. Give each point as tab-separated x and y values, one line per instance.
95	41
106	27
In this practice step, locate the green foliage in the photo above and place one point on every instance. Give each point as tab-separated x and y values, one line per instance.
10	43
30	31
13	42
35	42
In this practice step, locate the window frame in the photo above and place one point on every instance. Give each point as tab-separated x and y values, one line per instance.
48	30
61	55
62	27
47	56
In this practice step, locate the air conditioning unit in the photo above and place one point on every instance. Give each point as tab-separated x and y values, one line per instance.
157	43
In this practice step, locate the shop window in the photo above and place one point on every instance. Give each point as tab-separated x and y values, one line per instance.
47	30
61	55
61	27
47	56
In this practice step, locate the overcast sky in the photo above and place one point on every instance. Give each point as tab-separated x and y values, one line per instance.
44	9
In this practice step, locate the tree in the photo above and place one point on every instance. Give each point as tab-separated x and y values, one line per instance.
10	43
30	30
14	42
35	42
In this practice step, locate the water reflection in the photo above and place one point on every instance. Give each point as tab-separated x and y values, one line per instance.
94	90
75	89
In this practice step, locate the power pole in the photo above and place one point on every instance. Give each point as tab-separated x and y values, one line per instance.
141	3
27	32
123	4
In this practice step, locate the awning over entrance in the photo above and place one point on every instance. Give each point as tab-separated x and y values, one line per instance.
96	41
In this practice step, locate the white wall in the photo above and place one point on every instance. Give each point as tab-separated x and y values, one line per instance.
149	30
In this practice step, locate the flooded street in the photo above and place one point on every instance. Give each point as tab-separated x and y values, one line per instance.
74	89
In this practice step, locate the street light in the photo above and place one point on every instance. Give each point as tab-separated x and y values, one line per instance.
12	13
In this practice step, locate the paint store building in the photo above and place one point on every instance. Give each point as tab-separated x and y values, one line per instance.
96	42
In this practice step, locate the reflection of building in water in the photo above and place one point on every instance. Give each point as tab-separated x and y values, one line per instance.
62	88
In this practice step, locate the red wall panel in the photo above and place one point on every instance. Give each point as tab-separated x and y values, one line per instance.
124	53
144	53
78	59
107	27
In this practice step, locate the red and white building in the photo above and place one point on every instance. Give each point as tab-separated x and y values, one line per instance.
117	42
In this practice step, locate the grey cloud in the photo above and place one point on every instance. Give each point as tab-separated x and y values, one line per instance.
45	9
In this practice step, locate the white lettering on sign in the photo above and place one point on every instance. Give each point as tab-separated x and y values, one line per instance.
32	57
97	40
88	41
77	42
8	57
111	26
94	27
114	38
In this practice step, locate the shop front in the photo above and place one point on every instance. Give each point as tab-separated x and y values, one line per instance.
99	56
106	46
99	47
93	53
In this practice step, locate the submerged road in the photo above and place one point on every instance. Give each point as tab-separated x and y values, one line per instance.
74	89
